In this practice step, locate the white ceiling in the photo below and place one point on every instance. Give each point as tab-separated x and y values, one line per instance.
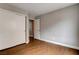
36	9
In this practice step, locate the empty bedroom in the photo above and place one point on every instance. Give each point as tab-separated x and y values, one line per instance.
39	29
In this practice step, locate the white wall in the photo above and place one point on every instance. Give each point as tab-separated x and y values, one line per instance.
12	29
19	11
37	29
14	9
61	27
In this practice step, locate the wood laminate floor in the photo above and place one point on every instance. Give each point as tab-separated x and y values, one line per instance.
37	47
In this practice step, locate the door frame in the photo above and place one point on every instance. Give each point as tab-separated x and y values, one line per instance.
32	27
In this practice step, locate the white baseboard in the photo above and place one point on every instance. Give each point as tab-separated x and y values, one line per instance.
57	43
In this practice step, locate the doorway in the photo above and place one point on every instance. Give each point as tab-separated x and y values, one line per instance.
34	29
31	28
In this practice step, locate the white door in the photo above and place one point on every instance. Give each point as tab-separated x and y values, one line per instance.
37	29
12	29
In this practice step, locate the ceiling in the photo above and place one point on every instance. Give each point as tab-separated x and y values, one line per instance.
36	9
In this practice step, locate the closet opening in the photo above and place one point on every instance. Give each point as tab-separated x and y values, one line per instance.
31	29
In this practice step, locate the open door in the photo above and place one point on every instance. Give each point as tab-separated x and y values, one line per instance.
37	29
